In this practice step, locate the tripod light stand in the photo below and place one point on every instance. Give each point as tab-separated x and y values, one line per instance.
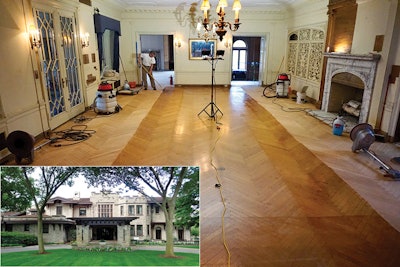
213	106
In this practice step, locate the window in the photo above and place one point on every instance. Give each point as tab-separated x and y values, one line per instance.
105	210
121	210
45	228
139	230
131	209
82	211
148	229
132	230
139	209
59	210
26	227
157	209
9	228
239	55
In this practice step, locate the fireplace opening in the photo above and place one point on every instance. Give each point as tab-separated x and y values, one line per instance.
346	94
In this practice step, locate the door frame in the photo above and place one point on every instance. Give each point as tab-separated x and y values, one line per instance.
59	10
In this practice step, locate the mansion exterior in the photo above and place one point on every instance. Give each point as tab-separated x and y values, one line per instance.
120	219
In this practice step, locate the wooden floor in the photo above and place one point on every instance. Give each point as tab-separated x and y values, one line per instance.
293	193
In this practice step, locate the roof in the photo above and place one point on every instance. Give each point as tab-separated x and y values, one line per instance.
32	219
81	201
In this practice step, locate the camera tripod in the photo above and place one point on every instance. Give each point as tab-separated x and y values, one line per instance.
214	109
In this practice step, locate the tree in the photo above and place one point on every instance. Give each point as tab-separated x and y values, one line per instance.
42	183
14	194
187	203
166	182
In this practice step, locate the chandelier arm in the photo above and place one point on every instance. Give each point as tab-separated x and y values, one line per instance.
236	26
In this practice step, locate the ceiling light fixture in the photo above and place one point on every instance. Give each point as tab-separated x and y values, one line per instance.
218	27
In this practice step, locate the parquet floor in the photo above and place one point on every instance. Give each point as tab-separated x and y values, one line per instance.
287	186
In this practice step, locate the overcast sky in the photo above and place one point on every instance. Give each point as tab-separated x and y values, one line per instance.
85	190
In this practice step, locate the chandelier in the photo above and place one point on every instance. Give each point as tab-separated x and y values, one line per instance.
219	27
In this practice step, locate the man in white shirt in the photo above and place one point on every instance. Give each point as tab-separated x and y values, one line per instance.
148	61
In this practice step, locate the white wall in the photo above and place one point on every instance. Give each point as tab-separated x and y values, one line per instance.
21	107
378	16
269	25
308	14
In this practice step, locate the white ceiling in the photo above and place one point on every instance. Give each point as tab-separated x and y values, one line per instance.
261	4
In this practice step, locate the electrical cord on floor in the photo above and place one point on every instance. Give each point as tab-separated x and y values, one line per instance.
74	135
283	108
218	185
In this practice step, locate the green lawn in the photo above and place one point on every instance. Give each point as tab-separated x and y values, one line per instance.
68	257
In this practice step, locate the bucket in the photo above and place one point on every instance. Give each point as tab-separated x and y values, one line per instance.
338	126
301	98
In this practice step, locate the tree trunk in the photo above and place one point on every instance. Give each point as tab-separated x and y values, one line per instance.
169	228
40	232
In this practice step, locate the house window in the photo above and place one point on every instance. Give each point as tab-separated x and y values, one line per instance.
239	55
45	228
59	210
26	227
121	210
139	230
139	209
105	210
157	209
148	229
132	230
147	210
9	228
131	209
82	211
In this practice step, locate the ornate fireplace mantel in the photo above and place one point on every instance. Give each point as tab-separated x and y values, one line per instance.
362	66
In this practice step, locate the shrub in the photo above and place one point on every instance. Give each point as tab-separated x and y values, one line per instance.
13	238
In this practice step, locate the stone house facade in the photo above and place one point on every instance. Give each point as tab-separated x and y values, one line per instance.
102	216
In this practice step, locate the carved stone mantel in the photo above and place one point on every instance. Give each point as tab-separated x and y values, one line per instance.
362	66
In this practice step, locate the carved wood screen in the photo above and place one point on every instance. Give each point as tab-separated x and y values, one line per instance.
305	54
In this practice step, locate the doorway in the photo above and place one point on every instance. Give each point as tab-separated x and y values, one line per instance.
163	46
59	64
104	233
246	58
158	233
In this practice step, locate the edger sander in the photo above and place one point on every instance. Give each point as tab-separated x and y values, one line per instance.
363	136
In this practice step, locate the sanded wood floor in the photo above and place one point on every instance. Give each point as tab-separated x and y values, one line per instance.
284	205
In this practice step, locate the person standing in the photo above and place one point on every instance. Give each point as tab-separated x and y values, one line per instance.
148	61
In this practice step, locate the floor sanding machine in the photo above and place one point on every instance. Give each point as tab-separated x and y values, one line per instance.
363	136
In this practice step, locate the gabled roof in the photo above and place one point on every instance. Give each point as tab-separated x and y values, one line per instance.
13	213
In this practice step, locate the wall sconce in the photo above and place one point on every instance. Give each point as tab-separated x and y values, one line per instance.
85	40
227	43
178	43
220	25
34	37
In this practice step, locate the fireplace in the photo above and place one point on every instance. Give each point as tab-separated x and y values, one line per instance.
349	76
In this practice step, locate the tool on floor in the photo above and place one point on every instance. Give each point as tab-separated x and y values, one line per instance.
280	88
106	101
127	88
363	136
21	145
